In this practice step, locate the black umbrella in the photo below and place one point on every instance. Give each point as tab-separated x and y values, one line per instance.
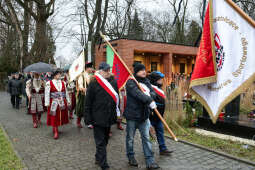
38	67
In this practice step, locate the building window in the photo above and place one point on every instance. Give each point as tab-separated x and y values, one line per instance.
154	66
138	62
182	67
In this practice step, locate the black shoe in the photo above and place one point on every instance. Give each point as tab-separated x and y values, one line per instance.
106	167
166	152
153	166
97	162
133	162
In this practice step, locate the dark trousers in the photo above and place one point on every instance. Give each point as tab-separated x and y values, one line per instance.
101	136
159	128
15	100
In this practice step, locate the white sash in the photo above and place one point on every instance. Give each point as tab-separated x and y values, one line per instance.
108	87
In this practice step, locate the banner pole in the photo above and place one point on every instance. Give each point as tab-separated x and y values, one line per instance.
156	110
241	12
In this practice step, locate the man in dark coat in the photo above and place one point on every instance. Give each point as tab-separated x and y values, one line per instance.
137	112
101	110
15	90
156	79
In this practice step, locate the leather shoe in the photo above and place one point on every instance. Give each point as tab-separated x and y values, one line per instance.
153	166
166	152
132	162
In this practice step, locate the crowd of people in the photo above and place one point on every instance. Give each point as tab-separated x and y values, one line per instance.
95	98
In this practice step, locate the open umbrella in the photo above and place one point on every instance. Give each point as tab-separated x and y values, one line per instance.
38	67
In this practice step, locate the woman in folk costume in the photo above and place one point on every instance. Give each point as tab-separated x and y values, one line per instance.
57	100
82	84
35	93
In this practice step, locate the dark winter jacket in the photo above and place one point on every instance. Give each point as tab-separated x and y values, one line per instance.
15	87
100	108
160	101
137	107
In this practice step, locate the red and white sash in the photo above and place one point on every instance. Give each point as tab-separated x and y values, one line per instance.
110	90
159	91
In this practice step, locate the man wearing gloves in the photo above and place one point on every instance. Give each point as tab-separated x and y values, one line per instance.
156	79
137	112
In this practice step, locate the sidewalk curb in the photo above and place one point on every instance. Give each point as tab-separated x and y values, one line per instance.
15	151
210	150
214	151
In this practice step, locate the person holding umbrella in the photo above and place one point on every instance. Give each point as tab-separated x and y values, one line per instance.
35	94
57	100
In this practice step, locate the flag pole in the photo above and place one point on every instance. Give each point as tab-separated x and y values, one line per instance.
156	110
241	12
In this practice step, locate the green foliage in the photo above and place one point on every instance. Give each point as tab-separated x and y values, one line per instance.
199	109
8	159
189	115
136	29
244	110
193	33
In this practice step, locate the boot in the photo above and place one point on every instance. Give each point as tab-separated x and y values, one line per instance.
39	119
119	126
55	132
34	120
79	122
71	115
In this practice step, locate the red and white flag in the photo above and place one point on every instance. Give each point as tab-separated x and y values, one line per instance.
77	67
225	62
120	72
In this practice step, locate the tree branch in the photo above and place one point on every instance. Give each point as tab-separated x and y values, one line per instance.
22	4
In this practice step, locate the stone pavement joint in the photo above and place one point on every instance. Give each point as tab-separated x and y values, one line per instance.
75	149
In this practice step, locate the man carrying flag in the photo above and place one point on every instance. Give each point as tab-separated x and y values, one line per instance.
225	62
101	110
139	107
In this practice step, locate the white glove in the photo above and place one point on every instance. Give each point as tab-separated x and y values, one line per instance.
153	105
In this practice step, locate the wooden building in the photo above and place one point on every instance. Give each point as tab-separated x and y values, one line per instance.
165	57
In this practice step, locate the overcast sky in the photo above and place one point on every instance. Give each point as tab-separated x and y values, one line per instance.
69	47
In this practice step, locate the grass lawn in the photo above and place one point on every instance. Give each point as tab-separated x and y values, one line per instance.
226	146
8	158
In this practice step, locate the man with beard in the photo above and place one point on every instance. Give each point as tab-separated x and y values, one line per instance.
101	108
35	94
137	112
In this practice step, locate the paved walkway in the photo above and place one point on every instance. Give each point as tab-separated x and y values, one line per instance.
75	148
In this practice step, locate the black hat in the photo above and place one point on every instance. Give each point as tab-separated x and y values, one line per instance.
138	67
88	65
104	66
55	72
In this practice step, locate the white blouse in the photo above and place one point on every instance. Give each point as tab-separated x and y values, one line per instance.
58	86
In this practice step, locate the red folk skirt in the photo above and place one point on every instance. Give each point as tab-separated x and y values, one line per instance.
61	117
